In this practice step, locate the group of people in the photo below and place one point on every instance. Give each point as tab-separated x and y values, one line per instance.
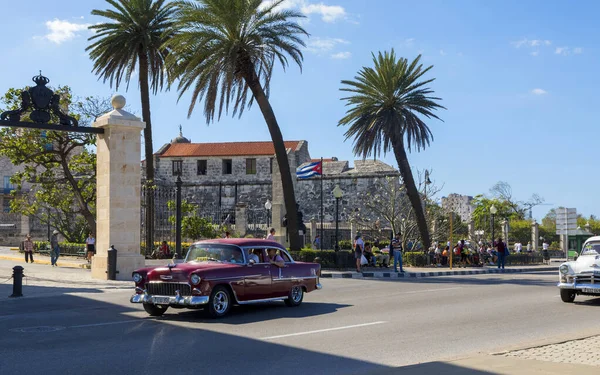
28	248
371	254
494	254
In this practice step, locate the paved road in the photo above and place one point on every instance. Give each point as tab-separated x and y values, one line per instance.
350	327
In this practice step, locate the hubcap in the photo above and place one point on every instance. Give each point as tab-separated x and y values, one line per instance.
221	301
296	293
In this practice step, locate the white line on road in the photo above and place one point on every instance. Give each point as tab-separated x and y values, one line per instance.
429	290
107	323
322	330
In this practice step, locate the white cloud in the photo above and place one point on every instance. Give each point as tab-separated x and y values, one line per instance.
562	51
341	55
578	50
442	52
531	43
321	45
534	53
538	92
409	42
328	13
60	31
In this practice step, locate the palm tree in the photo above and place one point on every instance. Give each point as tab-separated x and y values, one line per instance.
133	39
222	49
386	110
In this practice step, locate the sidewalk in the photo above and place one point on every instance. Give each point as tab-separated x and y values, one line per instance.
63	261
414	272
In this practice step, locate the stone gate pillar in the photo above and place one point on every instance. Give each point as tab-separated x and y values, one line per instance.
241	219
535	234
505	231
118	181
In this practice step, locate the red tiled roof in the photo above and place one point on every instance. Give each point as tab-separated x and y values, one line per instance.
224	149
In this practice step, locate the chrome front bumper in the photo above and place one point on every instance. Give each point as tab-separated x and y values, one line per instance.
190	301
580	287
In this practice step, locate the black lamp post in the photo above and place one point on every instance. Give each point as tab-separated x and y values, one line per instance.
427	182
493	211
337	194
178	171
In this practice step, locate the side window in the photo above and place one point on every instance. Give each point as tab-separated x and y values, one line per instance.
285	256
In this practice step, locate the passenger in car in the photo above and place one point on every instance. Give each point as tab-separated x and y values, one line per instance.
253	255
274	258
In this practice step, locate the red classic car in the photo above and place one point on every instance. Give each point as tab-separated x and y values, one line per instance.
219	273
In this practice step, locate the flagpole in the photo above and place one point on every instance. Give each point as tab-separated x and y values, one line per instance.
321	239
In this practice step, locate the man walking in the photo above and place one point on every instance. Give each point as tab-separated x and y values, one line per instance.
28	249
55	252
397	248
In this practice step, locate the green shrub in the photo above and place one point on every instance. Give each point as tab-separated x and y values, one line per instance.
345	244
415	259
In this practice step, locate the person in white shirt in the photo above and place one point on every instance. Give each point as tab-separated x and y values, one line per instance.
90	243
545	253
359	248
252	256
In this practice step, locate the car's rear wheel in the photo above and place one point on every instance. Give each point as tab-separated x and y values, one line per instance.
220	302
567	295
295	296
155	310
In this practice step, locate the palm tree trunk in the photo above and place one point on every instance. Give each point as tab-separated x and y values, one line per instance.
145	98
411	190
289	196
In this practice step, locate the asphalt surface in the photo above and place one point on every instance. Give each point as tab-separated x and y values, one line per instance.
349	327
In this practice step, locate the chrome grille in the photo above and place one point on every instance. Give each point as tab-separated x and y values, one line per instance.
584	279
168	289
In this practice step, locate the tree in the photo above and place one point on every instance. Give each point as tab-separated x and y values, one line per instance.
386	106
222	50
503	191
57	182
133	40
193	226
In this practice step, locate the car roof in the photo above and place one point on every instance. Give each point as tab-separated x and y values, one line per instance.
242	242
593	239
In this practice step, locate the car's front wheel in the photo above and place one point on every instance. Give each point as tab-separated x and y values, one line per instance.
567	295
155	310
295	296
220	302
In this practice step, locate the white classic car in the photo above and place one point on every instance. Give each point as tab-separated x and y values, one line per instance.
581	276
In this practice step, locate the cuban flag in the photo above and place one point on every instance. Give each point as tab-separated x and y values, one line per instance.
309	170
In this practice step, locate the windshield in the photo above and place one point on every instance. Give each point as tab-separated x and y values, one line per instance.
591	248
214	253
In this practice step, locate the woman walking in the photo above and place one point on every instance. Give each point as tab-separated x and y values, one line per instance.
359	248
28	249
91	247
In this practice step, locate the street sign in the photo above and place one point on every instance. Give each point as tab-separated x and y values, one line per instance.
566	220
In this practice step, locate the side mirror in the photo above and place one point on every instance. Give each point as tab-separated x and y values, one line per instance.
251	262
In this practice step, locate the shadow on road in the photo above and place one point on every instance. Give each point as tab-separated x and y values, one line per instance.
102	333
431	368
253	313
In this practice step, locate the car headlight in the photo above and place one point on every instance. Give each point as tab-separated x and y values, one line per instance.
195	279
564	269
137	277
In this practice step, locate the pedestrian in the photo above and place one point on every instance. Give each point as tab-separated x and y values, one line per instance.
317	242
28	249
359	248
55	249
227	235
90	243
501	248
271	236
529	247
546	252
397	248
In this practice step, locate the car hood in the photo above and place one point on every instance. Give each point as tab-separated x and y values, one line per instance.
181	271
586	263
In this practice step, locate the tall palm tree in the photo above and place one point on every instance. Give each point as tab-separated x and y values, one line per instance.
225	48
387	106
133	39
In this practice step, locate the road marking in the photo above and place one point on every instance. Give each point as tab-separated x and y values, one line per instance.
429	290
107	323
322	330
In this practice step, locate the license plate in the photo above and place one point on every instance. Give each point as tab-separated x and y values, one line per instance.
160	300
591	291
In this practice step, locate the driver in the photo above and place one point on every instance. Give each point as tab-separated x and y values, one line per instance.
275	258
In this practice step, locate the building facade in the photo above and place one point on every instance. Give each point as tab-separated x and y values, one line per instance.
459	204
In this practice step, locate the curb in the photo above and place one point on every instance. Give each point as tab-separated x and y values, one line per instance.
413	275
44	261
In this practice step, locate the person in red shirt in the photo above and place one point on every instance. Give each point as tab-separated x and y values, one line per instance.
164	250
501	248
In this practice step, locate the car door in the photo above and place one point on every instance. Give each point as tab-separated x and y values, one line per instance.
281	278
257	281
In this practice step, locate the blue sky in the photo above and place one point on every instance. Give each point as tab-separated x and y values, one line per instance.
519	80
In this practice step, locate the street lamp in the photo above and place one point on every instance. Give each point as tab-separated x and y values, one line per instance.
268	206
177	171
493	211
337	194
427	182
